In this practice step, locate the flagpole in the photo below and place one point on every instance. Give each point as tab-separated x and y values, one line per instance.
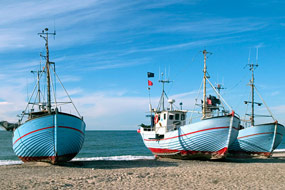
149	75
150	107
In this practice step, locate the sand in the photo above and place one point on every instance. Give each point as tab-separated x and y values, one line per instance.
148	174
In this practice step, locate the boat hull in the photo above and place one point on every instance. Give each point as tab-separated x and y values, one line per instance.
259	140
208	138
51	138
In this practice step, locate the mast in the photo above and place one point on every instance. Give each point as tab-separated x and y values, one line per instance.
219	87
251	68
48	77
44	35
204	85
163	92
39	89
252	97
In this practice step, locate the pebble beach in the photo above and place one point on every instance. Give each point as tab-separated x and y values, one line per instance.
258	173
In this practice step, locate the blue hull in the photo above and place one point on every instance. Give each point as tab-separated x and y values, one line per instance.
209	138
258	140
52	138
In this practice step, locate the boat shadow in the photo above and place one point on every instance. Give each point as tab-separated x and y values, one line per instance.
110	164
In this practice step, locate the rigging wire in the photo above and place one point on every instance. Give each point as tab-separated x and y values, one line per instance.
243	93
265	104
53	88
220	95
184	68
244	118
67	94
23	113
196	99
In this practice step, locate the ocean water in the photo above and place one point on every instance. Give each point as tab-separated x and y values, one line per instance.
98	145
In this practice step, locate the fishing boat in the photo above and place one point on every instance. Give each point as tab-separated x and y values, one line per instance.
46	133
171	135
256	139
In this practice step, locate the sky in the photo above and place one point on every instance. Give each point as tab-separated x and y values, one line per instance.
103	50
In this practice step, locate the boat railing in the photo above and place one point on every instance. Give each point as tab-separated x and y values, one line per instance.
147	127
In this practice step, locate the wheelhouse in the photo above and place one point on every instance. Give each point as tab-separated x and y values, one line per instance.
169	120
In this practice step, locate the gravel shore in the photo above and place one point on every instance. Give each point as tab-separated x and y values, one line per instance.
148	174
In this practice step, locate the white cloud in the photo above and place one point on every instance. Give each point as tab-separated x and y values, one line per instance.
14	102
275	93
106	108
113	65
278	109
214	26
191	44
102	21
69	78
4	103
101	110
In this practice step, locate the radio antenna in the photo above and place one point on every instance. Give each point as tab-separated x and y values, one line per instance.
54	30
249	56
256	55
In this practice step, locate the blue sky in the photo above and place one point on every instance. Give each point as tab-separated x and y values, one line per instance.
103	50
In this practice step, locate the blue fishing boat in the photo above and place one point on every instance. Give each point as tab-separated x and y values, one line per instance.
170	135
48	134
257	140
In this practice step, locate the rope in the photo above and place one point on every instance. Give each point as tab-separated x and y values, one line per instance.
219	94
265	104
54	90
67	93
35	101
23	114
244	118
238	83
184	69
196	99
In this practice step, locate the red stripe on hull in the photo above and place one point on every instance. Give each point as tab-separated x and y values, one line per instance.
259	134
189	153
187	134
71	128
48	128
50	159
33	132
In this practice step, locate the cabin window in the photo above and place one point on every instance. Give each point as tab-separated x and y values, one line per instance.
182	117
177	116
170	117
164	116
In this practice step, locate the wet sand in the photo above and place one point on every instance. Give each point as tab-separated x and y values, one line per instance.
148	174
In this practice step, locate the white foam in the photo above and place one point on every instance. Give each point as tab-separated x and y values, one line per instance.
9	162
116	158
279	150
112	158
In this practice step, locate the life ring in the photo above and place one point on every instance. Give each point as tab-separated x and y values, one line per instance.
156	119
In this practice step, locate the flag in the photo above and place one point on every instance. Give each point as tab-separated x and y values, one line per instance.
149	74
150	83
209	101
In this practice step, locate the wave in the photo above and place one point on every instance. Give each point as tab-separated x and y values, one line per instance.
9	162
111	158
279	150
116	158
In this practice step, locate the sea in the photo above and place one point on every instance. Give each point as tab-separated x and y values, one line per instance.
98	145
